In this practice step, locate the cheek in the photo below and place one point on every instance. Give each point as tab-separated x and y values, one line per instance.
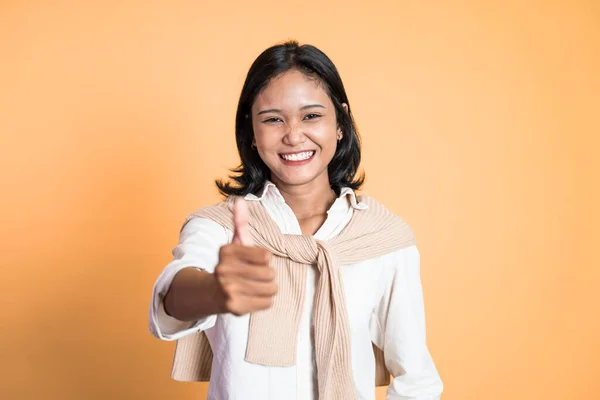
262	136
326	138
256	130
268	141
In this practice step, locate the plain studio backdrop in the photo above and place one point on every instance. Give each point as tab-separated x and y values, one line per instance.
480	124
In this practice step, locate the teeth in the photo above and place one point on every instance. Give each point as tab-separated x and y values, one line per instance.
298	156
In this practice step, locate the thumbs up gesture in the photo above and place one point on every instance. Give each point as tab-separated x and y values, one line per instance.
245	279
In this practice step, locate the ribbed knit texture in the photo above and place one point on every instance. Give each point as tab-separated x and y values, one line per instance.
273	333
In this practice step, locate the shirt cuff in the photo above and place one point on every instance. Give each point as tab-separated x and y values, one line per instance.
169	325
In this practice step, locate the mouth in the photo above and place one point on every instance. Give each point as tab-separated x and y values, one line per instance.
298	158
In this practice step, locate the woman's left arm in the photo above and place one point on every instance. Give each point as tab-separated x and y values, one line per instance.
400	331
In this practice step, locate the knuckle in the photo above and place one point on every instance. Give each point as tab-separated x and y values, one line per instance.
266	257
221	271
233	308
225	288
237	312
227	268
219	276
230	289
224	251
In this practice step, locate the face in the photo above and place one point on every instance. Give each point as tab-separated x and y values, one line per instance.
295	129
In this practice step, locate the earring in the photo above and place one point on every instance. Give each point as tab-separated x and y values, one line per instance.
253	145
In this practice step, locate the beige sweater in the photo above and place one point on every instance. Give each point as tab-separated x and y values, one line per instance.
371	233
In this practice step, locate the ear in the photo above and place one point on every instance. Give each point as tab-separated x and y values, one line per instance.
339	132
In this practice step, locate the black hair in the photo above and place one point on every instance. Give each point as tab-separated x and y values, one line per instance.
252	173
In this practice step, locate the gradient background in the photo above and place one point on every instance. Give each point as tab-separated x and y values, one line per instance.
480	122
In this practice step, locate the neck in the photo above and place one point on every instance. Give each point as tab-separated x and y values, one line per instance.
313	198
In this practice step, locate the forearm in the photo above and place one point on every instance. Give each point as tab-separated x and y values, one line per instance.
193	295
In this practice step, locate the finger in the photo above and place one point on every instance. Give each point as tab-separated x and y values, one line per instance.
257	303
252	273
251	255
241	232
259	289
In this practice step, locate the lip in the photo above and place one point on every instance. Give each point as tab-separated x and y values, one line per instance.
296	163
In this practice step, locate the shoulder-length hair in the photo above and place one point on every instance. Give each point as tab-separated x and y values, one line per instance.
251	174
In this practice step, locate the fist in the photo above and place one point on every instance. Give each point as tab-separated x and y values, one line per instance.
244	277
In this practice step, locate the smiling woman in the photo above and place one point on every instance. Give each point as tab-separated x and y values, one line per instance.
294	98
294	287
302	132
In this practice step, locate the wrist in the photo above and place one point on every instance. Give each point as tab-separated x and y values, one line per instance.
215	297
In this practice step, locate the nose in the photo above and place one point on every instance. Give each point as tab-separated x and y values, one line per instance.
294	135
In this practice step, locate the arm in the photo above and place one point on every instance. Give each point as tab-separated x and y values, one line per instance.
193	295
195	258
400	332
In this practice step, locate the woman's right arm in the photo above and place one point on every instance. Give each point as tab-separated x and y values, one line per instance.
214	271
174	311
193	295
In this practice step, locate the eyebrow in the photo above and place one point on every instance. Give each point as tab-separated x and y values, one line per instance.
275	110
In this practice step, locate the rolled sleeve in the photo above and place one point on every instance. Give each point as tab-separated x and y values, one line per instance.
198	247
400	330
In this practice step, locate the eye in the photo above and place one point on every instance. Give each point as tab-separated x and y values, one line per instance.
312	116
272	120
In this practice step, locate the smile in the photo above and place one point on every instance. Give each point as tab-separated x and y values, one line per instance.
302	156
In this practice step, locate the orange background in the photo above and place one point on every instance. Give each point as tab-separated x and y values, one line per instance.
480	127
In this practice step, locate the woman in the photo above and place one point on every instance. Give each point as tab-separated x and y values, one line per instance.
294	287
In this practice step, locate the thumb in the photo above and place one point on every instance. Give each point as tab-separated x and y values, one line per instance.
241	232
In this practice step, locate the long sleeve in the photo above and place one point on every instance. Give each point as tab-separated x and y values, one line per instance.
198	247
400	328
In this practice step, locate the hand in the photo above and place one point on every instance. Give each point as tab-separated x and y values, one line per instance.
245	279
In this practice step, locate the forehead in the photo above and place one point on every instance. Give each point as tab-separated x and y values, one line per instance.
290	90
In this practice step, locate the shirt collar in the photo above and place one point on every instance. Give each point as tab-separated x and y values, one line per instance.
270	192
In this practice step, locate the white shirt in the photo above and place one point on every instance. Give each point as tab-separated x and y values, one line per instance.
384	301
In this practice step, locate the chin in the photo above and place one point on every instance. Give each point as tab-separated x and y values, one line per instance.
295	180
